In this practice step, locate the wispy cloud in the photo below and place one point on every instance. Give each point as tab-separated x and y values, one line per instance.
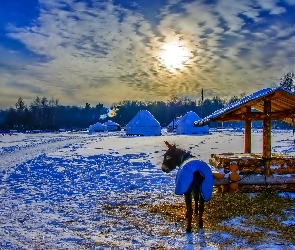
100	52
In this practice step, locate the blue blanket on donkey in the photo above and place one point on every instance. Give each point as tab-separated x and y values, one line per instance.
185	177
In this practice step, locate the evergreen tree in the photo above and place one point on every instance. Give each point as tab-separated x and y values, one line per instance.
288	81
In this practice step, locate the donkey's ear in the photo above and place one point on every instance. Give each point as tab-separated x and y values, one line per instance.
168	144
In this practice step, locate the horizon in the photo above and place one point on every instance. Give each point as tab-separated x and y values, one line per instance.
113	105
115	50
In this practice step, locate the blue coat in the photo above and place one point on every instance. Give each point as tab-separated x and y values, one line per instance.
185	176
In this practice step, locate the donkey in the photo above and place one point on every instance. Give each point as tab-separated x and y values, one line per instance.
194	178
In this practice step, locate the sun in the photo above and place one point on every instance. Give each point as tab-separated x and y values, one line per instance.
173	55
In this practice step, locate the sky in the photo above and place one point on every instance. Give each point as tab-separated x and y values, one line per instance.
106	51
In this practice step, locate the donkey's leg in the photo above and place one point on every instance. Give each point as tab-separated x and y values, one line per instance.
197	181
201	211
196	198
189	211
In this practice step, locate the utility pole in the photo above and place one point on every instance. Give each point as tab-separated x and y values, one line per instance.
202	100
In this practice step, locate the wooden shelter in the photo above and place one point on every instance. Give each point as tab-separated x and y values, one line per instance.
264	105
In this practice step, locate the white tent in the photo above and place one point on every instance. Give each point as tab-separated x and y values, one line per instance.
112	126
186	125
97	127
144	123
173	124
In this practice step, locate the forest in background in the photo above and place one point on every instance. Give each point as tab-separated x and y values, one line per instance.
49	115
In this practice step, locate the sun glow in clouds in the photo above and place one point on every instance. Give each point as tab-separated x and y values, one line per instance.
173	55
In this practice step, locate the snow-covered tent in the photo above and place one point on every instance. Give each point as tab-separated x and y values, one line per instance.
97	127
173	124
186	125
112	126
144	123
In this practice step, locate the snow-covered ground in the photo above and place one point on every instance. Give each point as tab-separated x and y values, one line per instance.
61	191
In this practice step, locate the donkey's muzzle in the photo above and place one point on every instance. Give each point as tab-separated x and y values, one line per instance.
165	168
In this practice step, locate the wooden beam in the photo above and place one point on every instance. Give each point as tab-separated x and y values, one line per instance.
274	95
256	116
258	180
283	103
286	95
277	95
247	139
266	154
244	109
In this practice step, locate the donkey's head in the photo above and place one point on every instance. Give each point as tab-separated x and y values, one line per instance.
172	157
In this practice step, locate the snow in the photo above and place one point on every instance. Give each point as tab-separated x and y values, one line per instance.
55	189
143	123
112	126
97	127
186	125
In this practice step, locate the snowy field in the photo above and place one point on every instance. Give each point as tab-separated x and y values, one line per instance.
55	190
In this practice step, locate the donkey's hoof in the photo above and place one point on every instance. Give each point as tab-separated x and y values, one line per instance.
188	230
201	225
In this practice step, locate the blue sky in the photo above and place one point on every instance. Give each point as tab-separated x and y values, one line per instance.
107	51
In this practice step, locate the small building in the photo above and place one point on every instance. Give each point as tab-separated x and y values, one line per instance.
112	126
264	105
143	124
97	127
186	125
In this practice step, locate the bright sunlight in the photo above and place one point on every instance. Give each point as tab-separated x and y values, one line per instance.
173	55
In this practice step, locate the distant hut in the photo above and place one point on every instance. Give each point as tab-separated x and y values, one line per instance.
145	124
186	125
97	127
112	126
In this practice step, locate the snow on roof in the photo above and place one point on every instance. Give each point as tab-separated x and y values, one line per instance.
143	118
189	118
97	126
144	123
111	123
254	96
186	125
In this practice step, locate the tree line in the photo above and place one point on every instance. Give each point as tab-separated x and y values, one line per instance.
49	114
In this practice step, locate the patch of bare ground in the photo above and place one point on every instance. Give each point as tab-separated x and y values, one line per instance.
261	215
253	218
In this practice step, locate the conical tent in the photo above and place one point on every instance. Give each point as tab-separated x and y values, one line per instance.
97	127
112	126
144	123
186	125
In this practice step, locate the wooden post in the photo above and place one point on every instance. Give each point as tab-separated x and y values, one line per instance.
247	139
266	155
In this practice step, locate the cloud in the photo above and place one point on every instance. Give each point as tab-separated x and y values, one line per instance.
290	2
101	52
271	6
234	52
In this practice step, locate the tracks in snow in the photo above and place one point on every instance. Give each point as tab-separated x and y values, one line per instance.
10	159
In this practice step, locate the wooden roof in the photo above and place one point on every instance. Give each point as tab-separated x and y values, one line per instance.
281	100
